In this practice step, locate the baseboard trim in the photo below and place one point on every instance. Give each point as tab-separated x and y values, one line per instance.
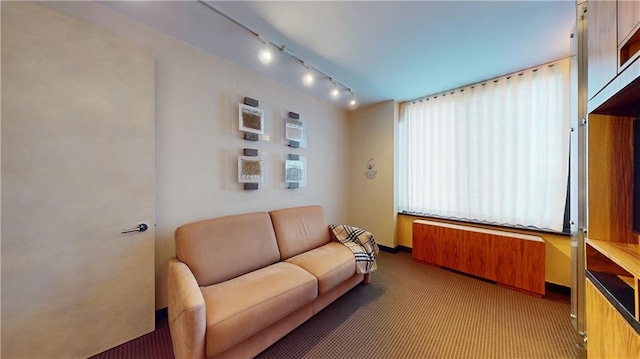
557	288
404	249
395	249
162	313
387	249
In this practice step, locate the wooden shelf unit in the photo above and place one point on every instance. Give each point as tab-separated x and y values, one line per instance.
612	252
512	260
614	268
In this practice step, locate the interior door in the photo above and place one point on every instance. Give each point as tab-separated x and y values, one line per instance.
77	169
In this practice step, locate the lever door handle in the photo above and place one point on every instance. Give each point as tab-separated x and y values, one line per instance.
140	228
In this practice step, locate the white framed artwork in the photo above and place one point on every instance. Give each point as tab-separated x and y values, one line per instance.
294	171
250	119
294	129
250	169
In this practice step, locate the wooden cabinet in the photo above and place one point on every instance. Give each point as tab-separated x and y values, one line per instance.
628	19
601	44
612	249
513	260
609	335
628	32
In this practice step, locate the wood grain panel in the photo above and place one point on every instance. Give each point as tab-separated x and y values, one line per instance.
610	178
610	336
624	255
418	243
427	244
453	247
520	264
506	253
531	267
479	255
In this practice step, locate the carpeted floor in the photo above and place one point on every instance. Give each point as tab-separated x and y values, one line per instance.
413	310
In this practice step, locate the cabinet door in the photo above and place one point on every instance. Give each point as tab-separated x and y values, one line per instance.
601	44
628	18
478	258
418	243
612	337
453	249
427	244
520	263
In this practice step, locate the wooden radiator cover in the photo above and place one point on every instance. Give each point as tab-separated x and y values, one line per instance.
511	259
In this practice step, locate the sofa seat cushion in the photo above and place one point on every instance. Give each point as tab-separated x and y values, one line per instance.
332	264
242	306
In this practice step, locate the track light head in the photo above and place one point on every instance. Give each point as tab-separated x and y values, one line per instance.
265	56
308	79
352	102
335	91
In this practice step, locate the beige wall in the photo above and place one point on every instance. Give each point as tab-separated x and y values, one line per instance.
197	141
557	250
371	201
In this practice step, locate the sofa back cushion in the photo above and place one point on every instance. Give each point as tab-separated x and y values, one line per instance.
299	229
222	248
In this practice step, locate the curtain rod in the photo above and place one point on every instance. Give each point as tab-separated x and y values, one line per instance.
494	79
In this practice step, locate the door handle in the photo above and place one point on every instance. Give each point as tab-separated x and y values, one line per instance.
140	228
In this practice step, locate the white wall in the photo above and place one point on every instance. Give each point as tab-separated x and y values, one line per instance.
197	140
372	203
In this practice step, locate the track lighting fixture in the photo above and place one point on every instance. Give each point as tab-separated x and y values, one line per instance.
352	102
266	56
335	91
308	78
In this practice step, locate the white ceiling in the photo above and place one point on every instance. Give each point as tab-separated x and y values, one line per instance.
382	50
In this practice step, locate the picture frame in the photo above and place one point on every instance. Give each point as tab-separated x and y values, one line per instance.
251	169
294	171
294	129
250	119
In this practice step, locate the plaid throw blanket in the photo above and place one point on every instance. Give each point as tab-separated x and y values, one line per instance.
361	243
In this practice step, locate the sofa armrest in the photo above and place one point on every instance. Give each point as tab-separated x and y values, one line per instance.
187	312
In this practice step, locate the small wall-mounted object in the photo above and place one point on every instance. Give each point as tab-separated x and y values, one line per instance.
370	173
250	102
294	169
250	186
250	169
250	119
250	152
294	130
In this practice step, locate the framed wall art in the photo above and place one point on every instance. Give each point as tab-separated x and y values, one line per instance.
251	169
295	174
250	119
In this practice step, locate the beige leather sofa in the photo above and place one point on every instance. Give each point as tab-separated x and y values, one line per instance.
240	283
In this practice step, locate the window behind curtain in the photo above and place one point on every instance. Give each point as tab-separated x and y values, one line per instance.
495	152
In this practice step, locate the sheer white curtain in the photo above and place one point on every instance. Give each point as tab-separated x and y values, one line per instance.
495	152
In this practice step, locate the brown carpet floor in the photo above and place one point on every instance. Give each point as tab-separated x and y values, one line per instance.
413	310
